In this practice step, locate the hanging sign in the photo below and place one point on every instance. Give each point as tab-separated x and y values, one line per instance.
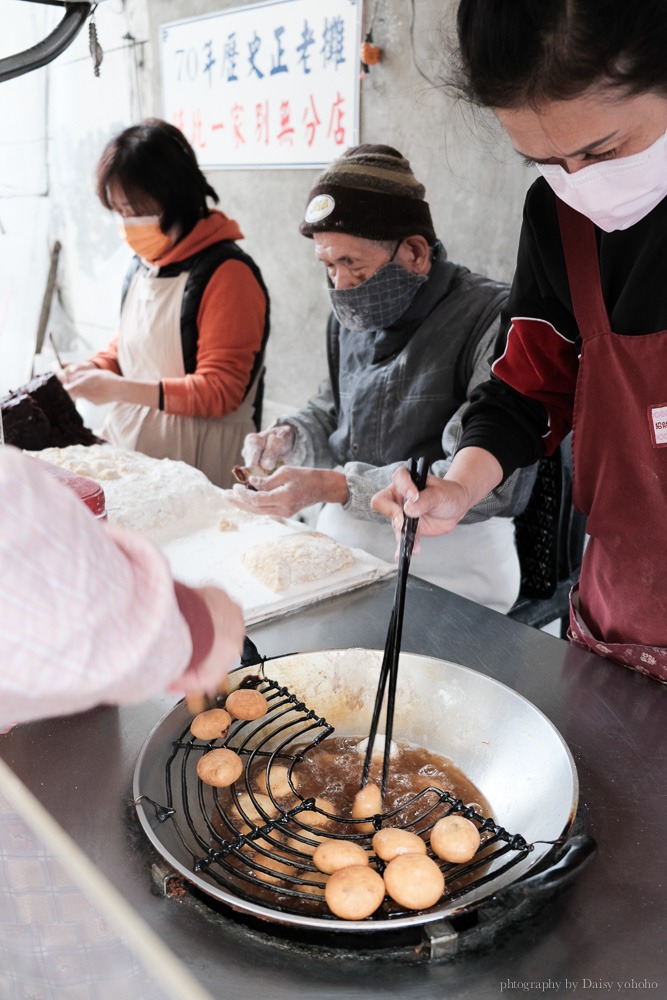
273	84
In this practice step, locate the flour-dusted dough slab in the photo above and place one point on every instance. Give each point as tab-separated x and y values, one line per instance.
153	495
305	556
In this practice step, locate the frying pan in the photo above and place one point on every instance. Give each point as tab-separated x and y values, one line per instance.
501	742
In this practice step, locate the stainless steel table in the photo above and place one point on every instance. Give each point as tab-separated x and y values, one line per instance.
608	927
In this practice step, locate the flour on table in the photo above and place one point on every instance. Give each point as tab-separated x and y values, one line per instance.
153	495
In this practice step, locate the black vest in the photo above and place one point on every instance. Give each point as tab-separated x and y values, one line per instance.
201	267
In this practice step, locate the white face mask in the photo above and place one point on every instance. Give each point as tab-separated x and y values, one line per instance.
617	193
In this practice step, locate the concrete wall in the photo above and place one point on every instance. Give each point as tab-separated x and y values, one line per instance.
474	183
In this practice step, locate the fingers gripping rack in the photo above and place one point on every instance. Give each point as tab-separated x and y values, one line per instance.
392	648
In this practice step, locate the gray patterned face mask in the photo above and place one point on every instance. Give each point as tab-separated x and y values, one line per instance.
378	302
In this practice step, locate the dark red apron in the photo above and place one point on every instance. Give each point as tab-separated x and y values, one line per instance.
619	445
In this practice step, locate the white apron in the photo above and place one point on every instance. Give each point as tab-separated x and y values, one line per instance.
149	347
477	561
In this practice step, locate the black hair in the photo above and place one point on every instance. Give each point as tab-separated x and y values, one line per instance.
154	158
514	53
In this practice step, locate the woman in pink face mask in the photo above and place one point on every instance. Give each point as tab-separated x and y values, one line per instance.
184	372
581	90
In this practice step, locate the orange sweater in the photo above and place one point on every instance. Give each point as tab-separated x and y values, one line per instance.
230	323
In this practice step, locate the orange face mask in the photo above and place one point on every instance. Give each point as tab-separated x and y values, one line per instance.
143	234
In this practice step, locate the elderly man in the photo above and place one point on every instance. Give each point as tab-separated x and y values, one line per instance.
408	340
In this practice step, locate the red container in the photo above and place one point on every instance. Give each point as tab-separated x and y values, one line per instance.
86	489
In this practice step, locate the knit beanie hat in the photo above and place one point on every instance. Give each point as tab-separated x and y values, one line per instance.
371	192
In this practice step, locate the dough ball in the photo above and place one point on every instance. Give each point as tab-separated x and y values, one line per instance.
247	704
227	524
220	768
279	869
390	843
249	814
354	893
197	703
309	817
278	782
455	838
211	725
367	802
305	846
414	881
334	854
316	882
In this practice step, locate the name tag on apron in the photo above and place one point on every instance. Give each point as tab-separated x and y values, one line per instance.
657	418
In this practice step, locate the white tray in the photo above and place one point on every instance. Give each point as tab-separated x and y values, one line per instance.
211	556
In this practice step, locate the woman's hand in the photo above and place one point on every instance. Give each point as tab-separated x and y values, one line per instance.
269	448
69	371
474	472
229	629
439	507
289	490
100	386
97	385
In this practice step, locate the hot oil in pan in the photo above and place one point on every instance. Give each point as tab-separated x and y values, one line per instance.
333	769
331	773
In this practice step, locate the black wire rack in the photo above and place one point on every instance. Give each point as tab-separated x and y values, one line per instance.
258	849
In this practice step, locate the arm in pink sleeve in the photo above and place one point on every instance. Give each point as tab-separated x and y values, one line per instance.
193	608
89	614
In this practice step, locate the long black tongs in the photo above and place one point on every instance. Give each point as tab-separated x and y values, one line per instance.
392	648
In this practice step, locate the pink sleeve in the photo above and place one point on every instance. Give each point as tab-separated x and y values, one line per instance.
195	611
88	614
